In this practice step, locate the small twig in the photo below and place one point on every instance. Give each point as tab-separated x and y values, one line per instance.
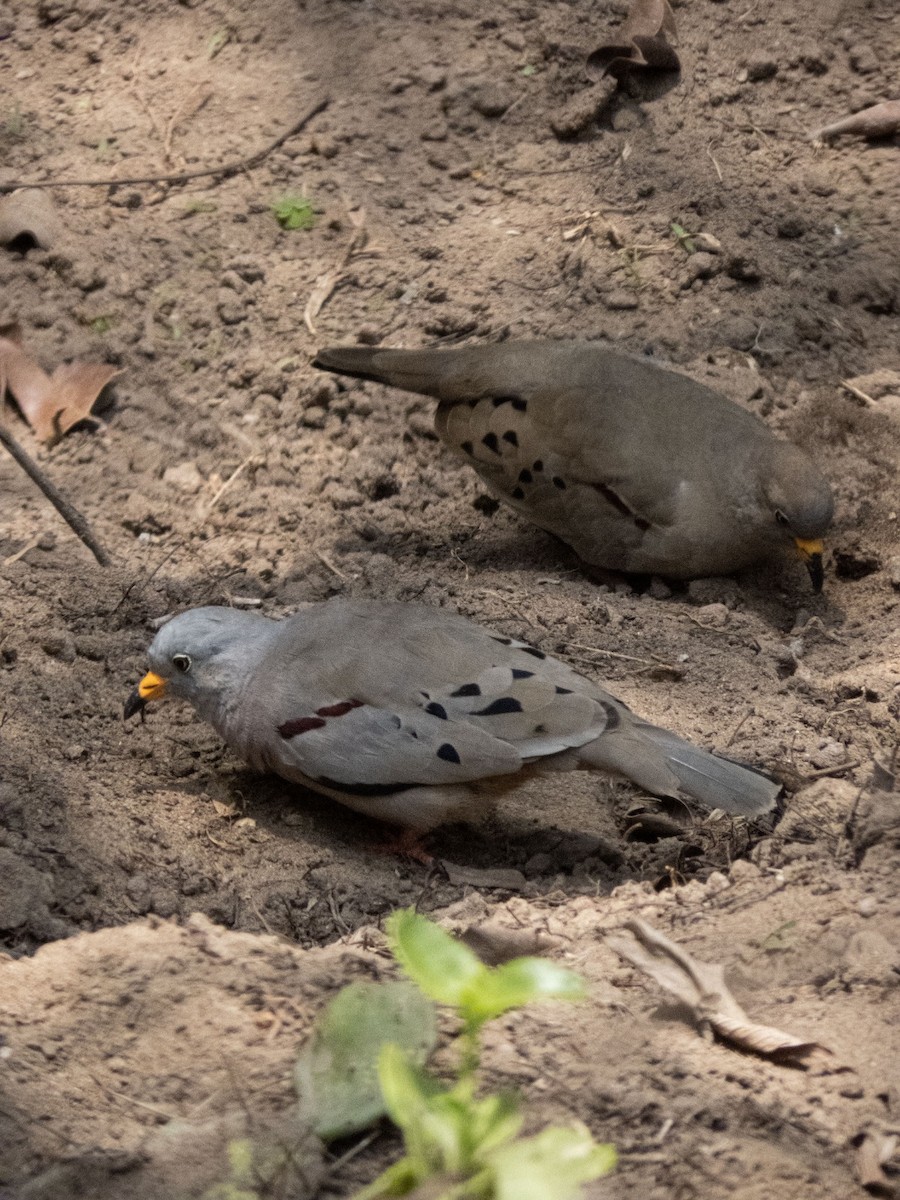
825	771
230	168
29	546
227	484
323	558
858	392
70	515
117	1095
710	156
201	94
741	723
647	662
349	1155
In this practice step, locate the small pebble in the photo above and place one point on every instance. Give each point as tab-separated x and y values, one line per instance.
185	477
867	907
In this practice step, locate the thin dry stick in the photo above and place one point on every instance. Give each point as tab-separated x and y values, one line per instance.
70	515
230	168
823	772
647	662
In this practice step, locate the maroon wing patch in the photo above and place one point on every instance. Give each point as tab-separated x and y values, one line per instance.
297	725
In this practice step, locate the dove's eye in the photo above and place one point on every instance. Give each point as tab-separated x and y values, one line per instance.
780	517
181	662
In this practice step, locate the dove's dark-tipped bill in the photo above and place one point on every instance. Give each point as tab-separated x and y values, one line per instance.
151	687
811	552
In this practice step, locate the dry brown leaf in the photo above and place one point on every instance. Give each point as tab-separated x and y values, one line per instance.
507	878
873	1150
879	121
325	284
28	216
51	404
495	943
701	988
642	42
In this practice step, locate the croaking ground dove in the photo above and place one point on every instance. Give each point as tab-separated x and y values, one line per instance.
414	714
635	466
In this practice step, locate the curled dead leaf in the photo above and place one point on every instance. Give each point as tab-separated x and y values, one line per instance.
28	217
878	121
51	404
701	988
643	42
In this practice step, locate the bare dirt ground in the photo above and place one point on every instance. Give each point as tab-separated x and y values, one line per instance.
135	1025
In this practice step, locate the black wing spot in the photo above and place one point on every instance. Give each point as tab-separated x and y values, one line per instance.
619	505
448	753
490	440
559	482
525	476
467	448
503	641
517	494
563	691
505	704
531	650
437	710
365	789
467	689
537	465
519	404
512	437
539	729
519	673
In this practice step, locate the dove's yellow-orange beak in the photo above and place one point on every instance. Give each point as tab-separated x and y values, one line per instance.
811	551
151	687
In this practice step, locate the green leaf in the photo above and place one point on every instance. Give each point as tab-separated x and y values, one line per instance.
551	1166
443	968
519	982
336	1075
398	1180
494	1121
294	212
683	238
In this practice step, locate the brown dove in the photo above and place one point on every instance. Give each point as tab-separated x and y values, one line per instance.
637	467
414	714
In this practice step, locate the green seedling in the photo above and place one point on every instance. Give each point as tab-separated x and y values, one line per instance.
199	206
462	1146
294	212
683	238
217	42
781	938
14	122
102	324
529	69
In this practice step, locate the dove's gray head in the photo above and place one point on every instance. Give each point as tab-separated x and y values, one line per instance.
801	504
203	656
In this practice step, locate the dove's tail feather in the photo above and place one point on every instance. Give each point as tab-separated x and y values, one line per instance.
667	765
451	374
409	370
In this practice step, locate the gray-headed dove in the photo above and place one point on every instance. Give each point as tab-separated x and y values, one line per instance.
414	714
637	467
